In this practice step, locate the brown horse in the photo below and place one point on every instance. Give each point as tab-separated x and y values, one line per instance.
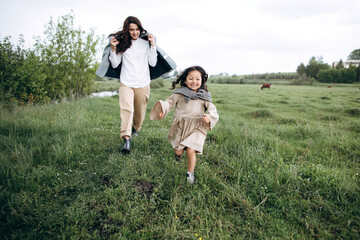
266	85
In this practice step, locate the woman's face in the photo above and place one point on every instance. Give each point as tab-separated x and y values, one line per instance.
134	31
193	80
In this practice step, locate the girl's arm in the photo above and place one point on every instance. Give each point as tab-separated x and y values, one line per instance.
114	58
212	117
161	115
162	108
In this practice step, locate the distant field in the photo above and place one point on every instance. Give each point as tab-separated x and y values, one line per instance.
280	164
113	84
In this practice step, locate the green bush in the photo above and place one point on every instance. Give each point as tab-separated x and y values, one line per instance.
303	80
62	65
22	80
348	75
333	75
157	83
314	66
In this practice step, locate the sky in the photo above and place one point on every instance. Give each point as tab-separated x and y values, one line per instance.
223	36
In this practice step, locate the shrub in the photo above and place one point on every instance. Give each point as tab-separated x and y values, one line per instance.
333	75
59	66
157	83
303	80
22	80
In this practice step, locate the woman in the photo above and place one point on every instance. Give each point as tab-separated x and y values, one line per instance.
135	54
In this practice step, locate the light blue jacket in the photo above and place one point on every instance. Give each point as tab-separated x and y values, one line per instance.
164	64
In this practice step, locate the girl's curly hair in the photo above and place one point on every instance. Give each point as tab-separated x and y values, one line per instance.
182	77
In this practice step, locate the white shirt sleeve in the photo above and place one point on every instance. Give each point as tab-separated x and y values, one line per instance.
115	59
152	56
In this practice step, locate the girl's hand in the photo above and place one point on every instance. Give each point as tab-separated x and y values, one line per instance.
113	43
206	119
161	115
151	40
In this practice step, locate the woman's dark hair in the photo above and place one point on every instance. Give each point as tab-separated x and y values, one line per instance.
182	77
124	37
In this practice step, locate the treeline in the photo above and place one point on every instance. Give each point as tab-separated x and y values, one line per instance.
343	75
272	76
322	72
315	71
61	65
224	78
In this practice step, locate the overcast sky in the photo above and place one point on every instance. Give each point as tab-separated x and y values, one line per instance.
233	36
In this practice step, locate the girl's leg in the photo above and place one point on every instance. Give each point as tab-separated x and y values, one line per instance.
191	156
178	154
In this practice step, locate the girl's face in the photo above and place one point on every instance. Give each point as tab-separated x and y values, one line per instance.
134	31
193	80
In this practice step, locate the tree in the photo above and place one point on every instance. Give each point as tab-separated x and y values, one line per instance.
348	75
354	55
329	75
333	75
61	65
301	69
340	64
314	66
20	72
68	57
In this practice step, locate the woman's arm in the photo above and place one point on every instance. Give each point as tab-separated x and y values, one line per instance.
114	58
152	51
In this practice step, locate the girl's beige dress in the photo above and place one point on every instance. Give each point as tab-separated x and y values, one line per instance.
187	128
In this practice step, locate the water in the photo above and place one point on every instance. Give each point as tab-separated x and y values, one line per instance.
104	94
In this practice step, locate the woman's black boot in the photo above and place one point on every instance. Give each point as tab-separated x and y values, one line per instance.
126	147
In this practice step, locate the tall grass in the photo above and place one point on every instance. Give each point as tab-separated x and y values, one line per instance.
280	164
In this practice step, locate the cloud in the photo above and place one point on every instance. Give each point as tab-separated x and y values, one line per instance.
234	36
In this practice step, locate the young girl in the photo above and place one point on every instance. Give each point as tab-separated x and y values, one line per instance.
190	124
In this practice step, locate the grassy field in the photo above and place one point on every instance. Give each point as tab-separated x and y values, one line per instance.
280	164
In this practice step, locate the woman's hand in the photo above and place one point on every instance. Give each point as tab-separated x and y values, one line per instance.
113	43
206	119
151	40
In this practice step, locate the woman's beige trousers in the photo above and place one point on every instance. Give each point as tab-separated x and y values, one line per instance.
132	103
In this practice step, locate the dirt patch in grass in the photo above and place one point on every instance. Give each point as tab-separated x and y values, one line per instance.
354	112
260	114
106	181
144	187
287	121
330	118
354	128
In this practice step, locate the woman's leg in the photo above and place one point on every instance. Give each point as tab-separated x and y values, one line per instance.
126	102
141	97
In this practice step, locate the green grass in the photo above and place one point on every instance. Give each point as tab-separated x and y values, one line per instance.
280	164
109	84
